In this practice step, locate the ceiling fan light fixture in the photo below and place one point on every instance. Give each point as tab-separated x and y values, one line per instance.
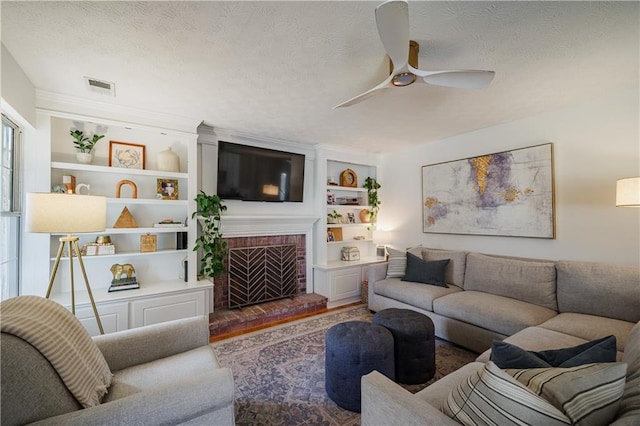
403	79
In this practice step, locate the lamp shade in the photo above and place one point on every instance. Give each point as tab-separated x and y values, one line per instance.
628	192
65	213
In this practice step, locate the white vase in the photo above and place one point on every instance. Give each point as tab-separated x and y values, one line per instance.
84	157
168	161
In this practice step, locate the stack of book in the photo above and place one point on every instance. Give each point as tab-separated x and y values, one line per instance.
166	224
124	284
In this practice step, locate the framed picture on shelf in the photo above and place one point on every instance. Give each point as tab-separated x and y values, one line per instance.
126	155
167	189
351	217
334	234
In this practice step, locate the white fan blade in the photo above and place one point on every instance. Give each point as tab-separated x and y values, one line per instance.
462	79
392	18
361	97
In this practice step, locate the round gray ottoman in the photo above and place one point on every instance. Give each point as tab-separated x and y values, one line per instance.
354	349
415	346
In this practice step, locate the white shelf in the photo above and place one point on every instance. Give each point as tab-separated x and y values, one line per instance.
145	230
345	188
347	225
68	165
86	258
101	294
346	206
148	201
341	264
346	241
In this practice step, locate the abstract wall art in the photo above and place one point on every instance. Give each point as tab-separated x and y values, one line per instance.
507	193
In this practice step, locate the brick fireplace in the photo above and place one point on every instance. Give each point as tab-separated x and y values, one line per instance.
261	231
221	288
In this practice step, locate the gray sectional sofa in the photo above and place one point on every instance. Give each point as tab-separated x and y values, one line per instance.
535	304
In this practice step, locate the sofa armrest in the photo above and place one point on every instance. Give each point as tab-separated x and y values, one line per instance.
386	403
136	346
375	272
189	399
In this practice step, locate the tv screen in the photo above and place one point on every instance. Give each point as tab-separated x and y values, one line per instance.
250	173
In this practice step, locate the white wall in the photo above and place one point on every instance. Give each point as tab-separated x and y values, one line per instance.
594	144
18	93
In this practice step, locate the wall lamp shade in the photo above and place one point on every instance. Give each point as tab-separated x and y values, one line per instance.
628	192
65	213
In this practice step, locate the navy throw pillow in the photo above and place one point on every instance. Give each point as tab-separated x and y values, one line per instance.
505	355
425	272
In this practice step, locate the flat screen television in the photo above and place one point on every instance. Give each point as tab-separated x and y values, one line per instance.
250	173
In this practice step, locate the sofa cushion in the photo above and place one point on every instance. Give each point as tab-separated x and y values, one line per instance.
588	394
421	271
31	388
496	313
629	411
585	395
600	289
454	274
418	295
437	392
538	339
162	373
506	355
493	397
528	281
590	327
397	263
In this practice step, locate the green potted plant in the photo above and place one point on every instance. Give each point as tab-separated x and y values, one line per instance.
333	217
84	145
214	249
372	186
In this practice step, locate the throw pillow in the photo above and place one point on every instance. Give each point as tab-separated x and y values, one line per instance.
588	394
584	395
493	397
397	263
506	355
421	271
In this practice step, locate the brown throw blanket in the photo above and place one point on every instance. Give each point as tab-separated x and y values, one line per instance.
60	337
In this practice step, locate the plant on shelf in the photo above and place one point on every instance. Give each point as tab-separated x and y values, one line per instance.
214	249
84	145
372	186
333	217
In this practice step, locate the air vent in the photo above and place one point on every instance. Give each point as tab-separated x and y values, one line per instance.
100	86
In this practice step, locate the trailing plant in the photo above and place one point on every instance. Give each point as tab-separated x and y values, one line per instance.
372	186
214	249
82	142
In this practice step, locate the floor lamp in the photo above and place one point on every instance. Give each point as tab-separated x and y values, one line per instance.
628	192
67	214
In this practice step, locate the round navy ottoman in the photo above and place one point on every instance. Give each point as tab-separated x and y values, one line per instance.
354	349
415	346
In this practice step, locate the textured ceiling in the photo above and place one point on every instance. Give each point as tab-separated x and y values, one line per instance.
276	69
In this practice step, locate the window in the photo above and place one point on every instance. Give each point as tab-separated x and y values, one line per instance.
10	192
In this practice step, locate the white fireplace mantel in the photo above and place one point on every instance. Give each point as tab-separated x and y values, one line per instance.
258	226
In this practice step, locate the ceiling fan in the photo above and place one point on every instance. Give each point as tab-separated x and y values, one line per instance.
392	19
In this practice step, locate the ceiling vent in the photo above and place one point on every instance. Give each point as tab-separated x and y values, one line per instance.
100	86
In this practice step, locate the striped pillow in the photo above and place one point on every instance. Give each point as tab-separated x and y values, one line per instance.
397	263
587	394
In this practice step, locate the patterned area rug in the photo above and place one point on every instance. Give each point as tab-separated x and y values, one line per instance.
279	371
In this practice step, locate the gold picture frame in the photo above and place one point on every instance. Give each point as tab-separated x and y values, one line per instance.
127	155
167	189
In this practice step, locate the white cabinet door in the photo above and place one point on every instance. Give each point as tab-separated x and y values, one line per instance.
113	316
345	283
167	308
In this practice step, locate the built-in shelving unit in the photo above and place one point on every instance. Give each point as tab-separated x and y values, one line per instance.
339	280
167	276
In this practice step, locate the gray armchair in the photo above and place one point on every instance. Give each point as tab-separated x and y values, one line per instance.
163	374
